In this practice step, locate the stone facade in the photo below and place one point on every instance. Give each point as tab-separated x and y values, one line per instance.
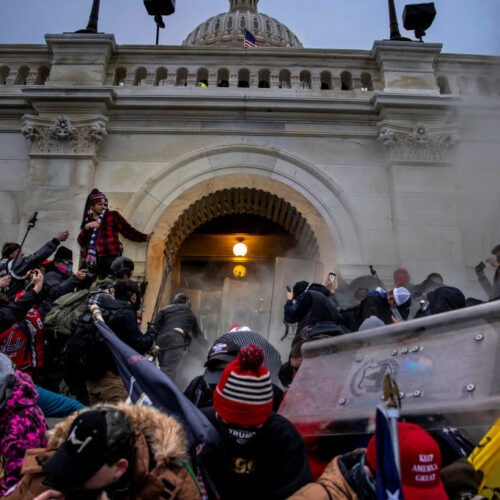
390	155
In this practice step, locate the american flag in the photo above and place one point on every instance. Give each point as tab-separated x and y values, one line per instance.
389	485
249	40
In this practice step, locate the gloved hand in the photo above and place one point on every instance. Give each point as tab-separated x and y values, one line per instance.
152	330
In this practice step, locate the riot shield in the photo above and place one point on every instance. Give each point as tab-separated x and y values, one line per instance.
447	368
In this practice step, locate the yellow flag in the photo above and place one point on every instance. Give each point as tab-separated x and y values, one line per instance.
486	458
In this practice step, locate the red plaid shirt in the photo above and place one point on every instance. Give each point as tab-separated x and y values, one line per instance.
108	241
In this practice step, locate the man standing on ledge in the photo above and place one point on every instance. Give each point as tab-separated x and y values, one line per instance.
99	236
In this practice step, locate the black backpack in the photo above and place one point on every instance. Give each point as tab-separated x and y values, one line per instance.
87	355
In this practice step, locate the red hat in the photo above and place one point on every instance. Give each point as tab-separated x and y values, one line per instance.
401	277
96	196
420	459
244	394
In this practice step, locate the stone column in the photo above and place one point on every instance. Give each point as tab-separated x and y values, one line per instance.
425	203
66	130
420	143
61	170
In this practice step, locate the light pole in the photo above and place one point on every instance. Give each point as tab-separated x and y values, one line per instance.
393	24
159	8
93	18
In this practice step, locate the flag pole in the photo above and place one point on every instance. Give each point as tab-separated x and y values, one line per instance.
393	403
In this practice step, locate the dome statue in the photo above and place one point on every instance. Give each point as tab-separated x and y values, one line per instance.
226	29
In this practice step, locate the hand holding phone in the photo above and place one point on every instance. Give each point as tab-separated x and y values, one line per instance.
332	277
37	280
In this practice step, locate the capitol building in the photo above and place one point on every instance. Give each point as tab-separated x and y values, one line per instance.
317	160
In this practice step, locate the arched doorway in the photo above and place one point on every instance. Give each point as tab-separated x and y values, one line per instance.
226	288
171	200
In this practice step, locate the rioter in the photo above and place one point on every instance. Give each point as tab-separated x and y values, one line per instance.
99	235
175	324
308	304
15	263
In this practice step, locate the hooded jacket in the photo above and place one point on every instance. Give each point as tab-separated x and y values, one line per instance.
311	307
445	298
56	283
373	304
343	479
159	471
22	426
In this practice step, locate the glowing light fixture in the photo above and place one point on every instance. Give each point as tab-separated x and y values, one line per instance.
240	249
239	271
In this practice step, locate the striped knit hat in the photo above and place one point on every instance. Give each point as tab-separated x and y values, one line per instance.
244	394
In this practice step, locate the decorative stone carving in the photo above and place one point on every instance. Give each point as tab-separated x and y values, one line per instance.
420	143
62	129
80	137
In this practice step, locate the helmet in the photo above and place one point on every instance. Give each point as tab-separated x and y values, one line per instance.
181	298
122	265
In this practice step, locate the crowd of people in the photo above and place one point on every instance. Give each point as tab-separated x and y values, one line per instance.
55	364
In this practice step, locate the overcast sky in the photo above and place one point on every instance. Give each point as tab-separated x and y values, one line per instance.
462	26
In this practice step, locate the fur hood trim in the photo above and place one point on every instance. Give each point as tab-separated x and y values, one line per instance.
164	433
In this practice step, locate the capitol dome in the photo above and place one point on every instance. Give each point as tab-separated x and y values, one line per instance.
227	29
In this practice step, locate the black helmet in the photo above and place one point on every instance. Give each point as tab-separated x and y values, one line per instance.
181	298
122	265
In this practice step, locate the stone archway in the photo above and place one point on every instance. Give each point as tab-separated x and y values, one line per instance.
242	201
163	198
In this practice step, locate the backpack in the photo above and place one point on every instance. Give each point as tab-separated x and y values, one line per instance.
86	355
65	310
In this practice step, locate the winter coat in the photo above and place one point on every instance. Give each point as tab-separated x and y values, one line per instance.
16	310
123	322
343	479
311	307
373	304
445	298
55	285
21	266
24	343
108	239
22	426
266	463
178	316
160	469
56	405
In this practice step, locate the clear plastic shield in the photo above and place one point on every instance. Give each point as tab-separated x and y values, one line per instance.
447	368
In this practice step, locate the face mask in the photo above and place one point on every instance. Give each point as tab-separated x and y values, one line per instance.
64	269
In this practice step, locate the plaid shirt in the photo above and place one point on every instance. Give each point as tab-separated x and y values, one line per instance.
108	241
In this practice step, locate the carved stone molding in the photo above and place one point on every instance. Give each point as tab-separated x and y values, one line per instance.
80	137
418	144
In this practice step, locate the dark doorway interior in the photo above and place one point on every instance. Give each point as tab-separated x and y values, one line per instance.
206	260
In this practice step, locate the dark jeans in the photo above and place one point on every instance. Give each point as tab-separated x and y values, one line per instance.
173	346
